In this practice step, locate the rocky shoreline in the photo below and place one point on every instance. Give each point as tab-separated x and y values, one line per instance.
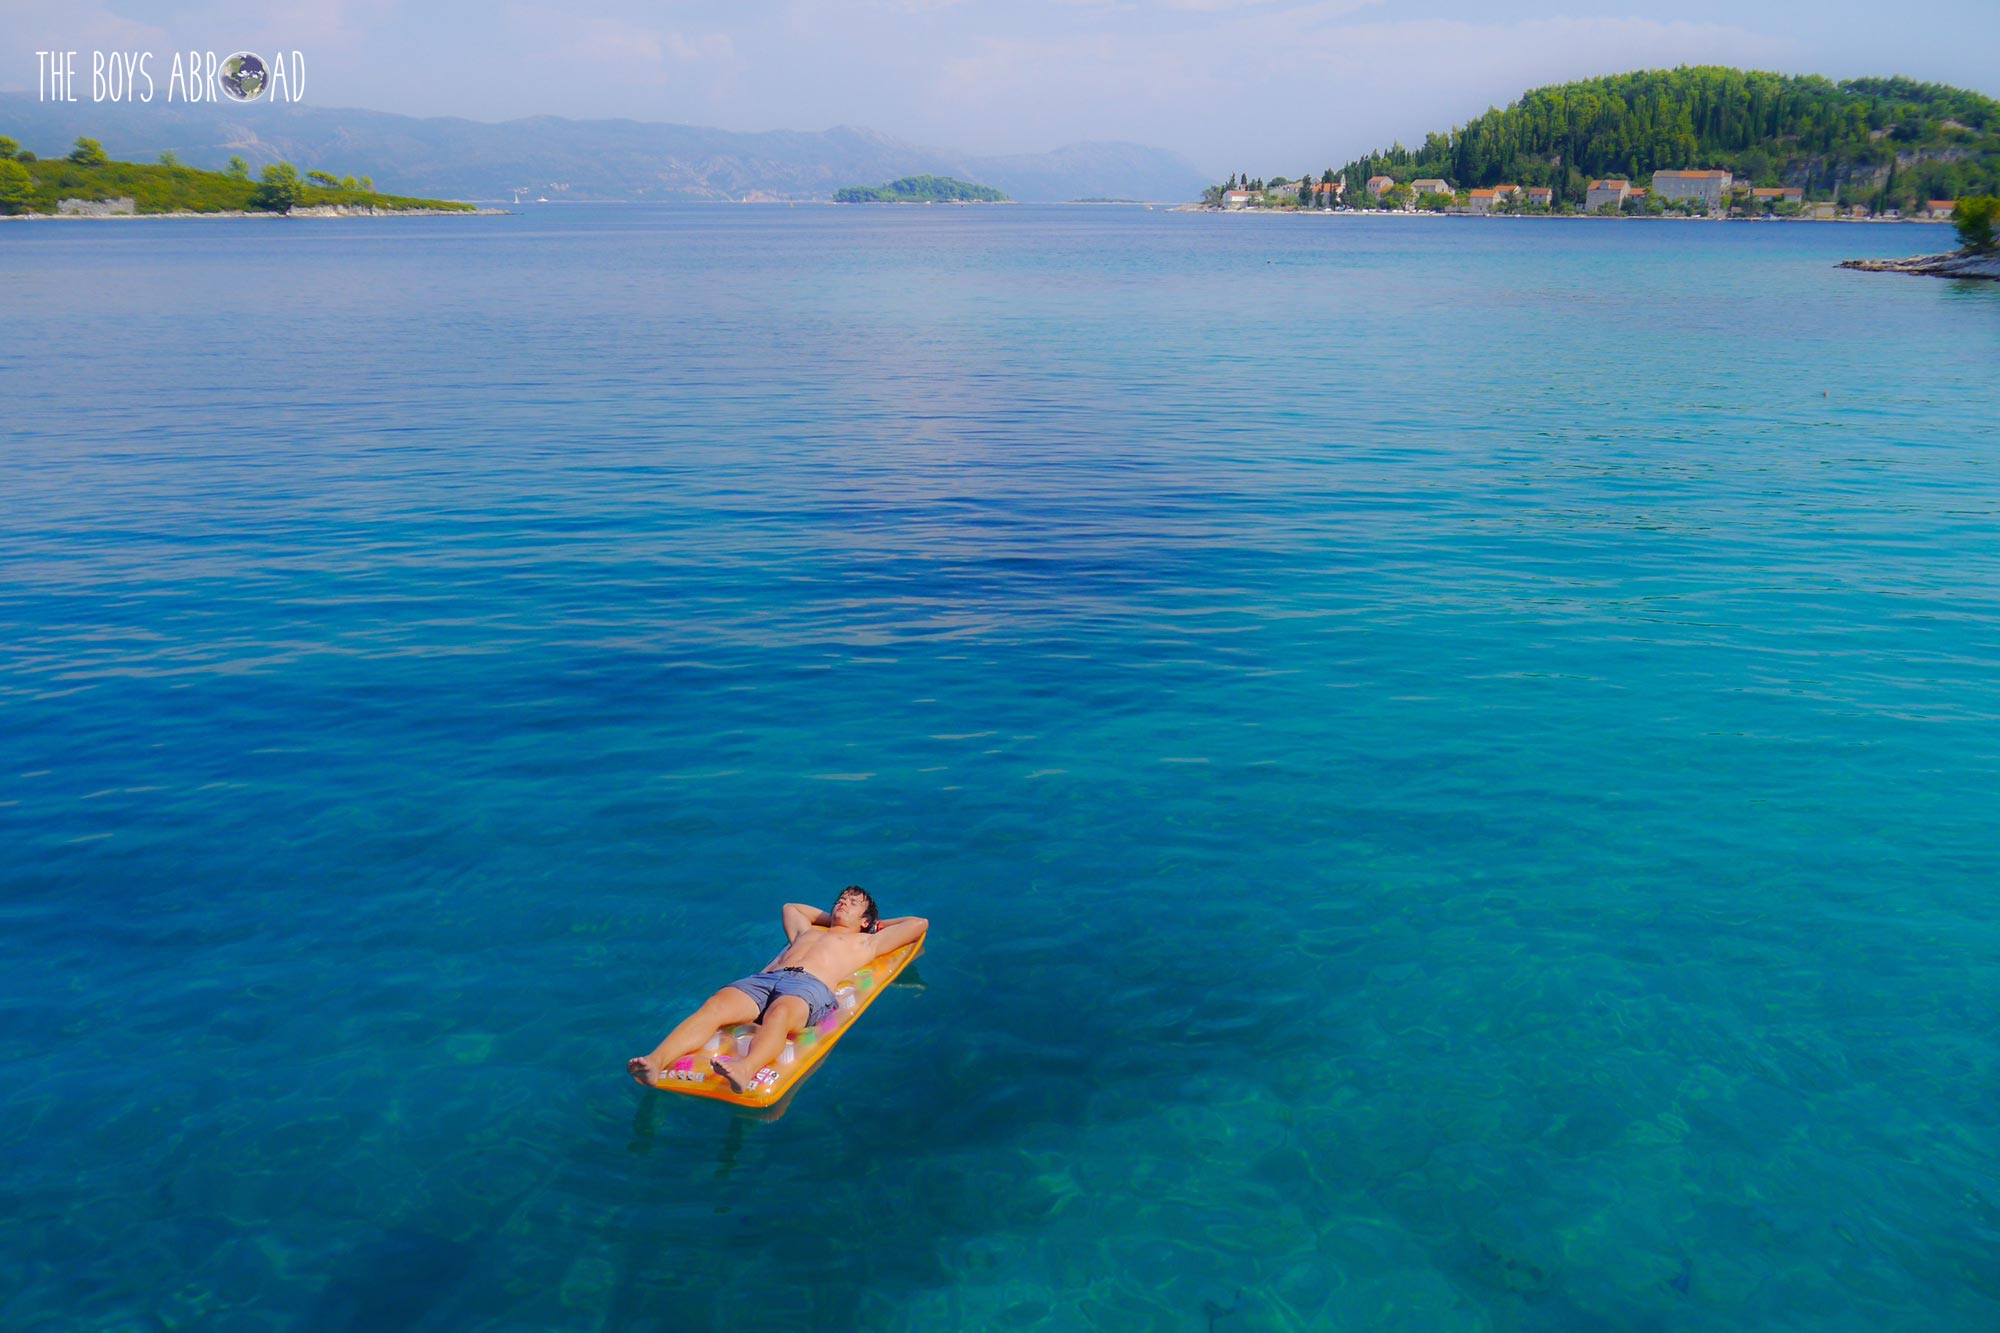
312	211
1958	264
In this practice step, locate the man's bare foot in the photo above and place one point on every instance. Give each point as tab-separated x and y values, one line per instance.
642	1068
738	1082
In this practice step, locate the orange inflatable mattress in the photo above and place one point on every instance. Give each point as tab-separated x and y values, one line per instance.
692	1076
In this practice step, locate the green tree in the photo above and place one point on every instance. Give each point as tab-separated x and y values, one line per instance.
239	169
347	182
88	153
368	184
8	148
1974	219
325	178
24	156
170	158
280	189
16	185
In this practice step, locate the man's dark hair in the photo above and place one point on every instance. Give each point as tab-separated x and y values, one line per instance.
869	914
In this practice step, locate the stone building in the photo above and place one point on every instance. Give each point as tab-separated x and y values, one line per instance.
1601	193
1710	188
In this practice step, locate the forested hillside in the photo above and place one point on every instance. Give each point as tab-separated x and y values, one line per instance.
1887	143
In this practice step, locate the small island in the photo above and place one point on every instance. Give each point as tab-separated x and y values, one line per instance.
89	183
921	190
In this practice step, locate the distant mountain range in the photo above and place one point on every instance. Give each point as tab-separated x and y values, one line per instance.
580	159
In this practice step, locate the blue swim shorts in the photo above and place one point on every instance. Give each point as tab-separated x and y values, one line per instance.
768	986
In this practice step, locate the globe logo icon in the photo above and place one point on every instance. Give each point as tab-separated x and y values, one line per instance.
243	77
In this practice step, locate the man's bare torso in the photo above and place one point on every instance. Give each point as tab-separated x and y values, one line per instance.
830	955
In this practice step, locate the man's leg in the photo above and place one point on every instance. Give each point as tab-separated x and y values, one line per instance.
787	1014
721	1009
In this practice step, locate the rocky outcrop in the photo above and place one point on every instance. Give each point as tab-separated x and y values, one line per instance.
371	211
1958	264
95	208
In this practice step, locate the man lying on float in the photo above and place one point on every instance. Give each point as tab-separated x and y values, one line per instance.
793	992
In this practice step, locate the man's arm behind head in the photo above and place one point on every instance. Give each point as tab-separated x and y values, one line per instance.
893	933
798	917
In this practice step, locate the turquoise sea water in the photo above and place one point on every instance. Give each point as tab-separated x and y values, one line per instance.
1452	764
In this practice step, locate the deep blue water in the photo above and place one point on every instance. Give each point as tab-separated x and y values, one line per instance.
1452	764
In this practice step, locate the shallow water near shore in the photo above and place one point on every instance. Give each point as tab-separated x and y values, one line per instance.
1451	763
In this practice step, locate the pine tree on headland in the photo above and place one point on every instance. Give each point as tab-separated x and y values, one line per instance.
281	188
16	186
1975	220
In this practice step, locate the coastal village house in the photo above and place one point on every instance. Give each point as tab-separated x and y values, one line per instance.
1429	185
1328	193
1778	194
1237	198
1380	185
1485	201
1541	196
1707	186
1939	210
1601	193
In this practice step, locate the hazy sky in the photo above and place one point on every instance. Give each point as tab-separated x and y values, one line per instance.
1257	85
